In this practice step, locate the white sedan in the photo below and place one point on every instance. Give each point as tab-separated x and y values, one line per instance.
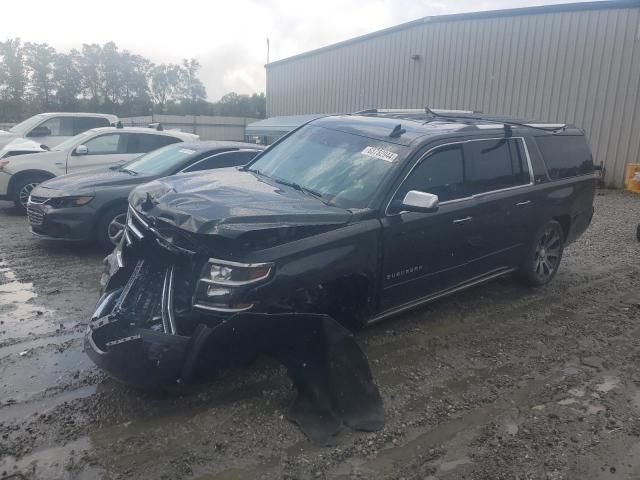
94	148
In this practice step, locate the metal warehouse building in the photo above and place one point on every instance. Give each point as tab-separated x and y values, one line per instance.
576	63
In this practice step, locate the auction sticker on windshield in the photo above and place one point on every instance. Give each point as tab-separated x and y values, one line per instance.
379	153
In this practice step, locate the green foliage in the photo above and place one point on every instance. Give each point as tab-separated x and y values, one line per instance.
35	78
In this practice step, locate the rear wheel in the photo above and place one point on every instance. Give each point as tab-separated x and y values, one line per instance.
111	227
543	255
23	189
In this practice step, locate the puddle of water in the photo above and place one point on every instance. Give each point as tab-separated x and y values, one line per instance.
52	463
19	316
608	384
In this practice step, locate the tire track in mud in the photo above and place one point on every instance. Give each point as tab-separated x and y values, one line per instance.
471	384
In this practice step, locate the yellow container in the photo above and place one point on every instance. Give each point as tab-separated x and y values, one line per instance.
632	177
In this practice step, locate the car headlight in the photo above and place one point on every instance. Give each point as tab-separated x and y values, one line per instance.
221	281
66	202
225	273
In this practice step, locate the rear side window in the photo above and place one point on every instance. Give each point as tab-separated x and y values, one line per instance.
222	160
143	142
565	155
441	173
494	165
82	124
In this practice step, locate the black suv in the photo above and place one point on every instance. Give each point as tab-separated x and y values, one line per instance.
355	216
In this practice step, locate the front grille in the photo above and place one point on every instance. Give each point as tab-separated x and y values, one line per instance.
36	217
37	200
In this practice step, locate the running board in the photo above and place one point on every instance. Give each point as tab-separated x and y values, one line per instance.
429	298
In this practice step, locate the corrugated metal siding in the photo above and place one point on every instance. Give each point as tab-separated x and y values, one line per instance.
580	67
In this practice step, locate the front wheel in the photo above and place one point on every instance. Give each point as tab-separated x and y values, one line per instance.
543	255
111	227
23	190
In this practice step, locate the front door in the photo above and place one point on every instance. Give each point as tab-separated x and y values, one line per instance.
102	150
426	253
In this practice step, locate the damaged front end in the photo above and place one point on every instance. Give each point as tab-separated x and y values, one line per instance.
172	314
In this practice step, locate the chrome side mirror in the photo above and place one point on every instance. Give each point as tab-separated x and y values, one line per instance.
81	150
416	201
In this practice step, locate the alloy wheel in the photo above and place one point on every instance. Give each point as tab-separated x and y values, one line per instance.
25	191
548	253
116	227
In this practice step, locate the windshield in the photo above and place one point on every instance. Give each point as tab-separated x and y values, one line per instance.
26	125
343	169
159	161
73	141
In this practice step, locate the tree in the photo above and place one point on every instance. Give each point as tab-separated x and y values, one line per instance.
67	79
91	72
165	84
39	58
191	88
13	77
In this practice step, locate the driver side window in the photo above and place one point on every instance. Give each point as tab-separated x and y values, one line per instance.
106	144
441	173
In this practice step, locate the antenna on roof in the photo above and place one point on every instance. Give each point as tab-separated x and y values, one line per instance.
397	131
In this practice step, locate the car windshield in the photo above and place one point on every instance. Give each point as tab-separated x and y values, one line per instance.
341	168
163	160
73	141
26	125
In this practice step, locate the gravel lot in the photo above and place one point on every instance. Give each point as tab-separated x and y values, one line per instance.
497	382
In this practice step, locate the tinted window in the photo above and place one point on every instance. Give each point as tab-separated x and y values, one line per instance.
164	160
494	165
221	160
144	142
57	127
111	143
441	173
565	155
82	124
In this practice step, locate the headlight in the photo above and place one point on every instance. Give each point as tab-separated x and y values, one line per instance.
235	274
66	202
220	285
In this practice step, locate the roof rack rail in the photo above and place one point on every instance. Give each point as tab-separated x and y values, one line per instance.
414	111
547	127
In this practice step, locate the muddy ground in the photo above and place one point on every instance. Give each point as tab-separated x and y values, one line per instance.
497	382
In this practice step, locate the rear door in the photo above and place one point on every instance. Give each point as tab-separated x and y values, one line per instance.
425	253
103	150
498	175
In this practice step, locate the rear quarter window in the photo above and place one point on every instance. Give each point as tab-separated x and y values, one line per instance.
565	155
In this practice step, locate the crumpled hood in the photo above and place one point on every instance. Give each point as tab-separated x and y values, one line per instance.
231	202
11	142
90	181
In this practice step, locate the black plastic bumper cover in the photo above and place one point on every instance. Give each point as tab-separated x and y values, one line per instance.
329	370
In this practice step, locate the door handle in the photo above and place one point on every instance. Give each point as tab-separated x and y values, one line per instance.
459	221
522	204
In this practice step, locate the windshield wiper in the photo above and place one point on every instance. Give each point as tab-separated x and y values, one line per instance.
298	187
130	172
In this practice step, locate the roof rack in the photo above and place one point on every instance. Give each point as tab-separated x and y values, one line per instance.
547	127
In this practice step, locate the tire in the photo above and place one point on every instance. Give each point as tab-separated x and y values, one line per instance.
543	255
107	227
22	190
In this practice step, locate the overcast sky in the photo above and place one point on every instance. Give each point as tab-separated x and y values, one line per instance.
227	37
